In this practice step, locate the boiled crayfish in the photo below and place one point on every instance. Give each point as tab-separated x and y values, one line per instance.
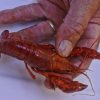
47	61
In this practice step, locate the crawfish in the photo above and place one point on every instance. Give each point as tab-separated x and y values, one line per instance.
46	60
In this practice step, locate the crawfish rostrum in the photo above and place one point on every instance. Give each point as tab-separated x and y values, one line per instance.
47	61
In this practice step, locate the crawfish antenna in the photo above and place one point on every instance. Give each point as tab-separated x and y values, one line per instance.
86	74
90	84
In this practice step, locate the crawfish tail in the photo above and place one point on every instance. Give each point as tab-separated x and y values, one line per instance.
85	52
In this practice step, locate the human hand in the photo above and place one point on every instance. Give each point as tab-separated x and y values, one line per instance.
81	26
56	11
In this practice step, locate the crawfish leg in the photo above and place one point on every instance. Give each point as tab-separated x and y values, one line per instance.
30	72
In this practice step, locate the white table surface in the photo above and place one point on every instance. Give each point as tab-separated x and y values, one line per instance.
16	84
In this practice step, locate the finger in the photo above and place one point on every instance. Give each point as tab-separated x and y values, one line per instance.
23	13
92	32
60	4
38	33
90	39
75	23
49	10
96	18
53	12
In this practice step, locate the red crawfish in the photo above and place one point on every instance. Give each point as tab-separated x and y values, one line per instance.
46	60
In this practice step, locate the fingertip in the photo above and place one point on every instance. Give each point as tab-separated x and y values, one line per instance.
65	48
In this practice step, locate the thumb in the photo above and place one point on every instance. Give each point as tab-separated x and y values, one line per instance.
75	22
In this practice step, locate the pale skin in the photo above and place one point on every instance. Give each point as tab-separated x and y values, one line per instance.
77	23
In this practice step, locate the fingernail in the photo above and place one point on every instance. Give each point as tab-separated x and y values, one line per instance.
65	48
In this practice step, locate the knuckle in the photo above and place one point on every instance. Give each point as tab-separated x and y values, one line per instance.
76	30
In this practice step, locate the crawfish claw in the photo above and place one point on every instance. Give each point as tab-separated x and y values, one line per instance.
67	85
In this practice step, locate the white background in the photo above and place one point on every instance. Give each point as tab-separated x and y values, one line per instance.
16	84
